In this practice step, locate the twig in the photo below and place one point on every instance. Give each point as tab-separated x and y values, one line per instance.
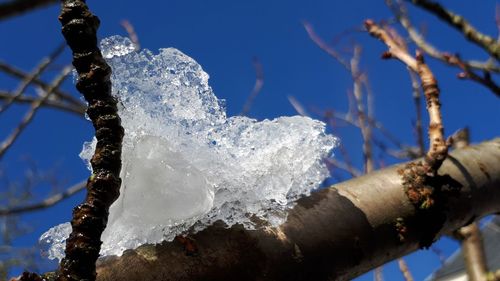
16	7
259	82
438	146
473	251
131	34
373	123
34	75
323	45
370	101
439	254
78	110
31	113
469	74
419	131
366	131
402	16
48	202
22	75
347	165
484	41
297	106
79	27
344	166
404	269
377	274
460	139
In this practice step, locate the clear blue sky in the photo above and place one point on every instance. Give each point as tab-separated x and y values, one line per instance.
223	36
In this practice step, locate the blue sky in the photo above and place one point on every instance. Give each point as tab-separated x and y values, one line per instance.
224	36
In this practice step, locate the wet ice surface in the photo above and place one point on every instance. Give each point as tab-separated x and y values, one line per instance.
186	164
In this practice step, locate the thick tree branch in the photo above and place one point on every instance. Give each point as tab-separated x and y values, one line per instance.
334	234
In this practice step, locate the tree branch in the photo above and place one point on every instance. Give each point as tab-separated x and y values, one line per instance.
259	82
17	7
76	109
399	10
6	144
473	251
470	236
438	147
48	202
22	75
365	128
34	75
403	267
489	44
79	27
334	234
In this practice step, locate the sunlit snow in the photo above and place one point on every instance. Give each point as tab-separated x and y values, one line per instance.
186	165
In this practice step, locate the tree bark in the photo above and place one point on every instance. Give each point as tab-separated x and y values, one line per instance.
335	234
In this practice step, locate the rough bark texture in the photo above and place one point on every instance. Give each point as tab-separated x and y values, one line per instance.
334	234
79	28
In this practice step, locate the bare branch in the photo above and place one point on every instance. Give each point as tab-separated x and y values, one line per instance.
366	131
79	28
401	14
6	144
344	166
439	254
34	75
378	274
22	75
323	45
438	147
418	109
473	251
405	270
297	106
17	7
467	73
489	44
131	34
48	202
78	110
259	82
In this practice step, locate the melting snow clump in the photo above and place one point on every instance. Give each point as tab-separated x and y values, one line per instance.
187	165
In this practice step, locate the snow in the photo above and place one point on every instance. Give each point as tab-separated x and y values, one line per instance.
186	165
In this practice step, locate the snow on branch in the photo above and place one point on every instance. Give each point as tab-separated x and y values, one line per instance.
186	165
